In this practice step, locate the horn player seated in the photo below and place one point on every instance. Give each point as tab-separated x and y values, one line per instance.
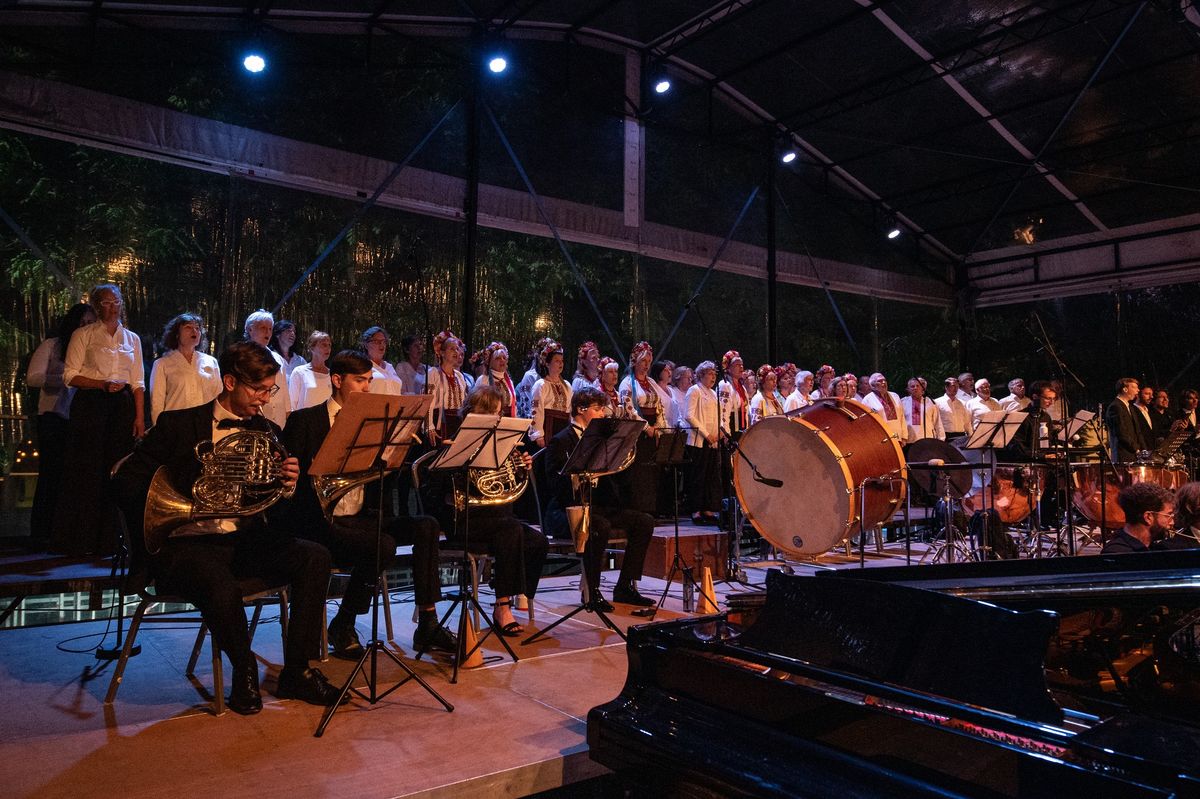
352	534
202	561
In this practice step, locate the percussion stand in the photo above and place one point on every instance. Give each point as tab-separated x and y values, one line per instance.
950	535
996	429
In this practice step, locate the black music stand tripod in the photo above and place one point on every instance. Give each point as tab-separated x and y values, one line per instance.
996	430
482	442
669	452
394	432
604	446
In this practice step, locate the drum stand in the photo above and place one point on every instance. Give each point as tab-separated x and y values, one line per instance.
952	539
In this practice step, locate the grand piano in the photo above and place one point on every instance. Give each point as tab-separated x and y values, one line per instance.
1065	677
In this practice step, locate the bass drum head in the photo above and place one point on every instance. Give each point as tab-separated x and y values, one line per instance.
809	513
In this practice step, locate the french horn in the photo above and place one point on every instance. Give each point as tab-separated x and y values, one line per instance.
241	475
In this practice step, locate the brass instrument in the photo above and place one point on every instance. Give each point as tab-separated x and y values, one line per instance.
498	486
240	476
330	488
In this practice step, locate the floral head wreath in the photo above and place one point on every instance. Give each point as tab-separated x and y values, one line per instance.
587	347
548	350
477	358
606	362
439	341
787	369
849	377
541	344
728	358
764	370
641	350
825	370
490	351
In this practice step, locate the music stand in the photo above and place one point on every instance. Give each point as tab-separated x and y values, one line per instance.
603	447
372	432
669	451
483	441
996	430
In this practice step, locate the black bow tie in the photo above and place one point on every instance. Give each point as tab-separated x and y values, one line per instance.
253	423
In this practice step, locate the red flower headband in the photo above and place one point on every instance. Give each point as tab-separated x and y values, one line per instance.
641	350
729	358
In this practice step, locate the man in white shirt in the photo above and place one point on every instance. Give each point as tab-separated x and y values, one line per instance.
983	402
886	405
920	413
1016	399
956	419
966	387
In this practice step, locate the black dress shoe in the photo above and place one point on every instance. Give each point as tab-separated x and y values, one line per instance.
343	640
601	604
628	595
434	636
244	695
308	685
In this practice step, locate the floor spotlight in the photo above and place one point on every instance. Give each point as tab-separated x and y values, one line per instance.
788	157
497	64
254	63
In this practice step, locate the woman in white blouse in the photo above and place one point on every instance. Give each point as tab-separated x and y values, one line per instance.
104	366
412	370
704	435
551	396
309	383
259	328
384	380
801	397
283	342
587	367
184	376
45	373
765	402
681	381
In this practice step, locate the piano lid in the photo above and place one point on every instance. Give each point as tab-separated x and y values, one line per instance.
968	651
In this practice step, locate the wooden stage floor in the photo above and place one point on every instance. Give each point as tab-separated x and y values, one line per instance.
517	728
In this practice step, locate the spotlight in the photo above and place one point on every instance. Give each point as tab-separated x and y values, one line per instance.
662	85
788	157
894	233
497	64
254	63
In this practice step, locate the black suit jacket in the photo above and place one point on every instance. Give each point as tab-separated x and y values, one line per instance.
562	495
1125	433
303	435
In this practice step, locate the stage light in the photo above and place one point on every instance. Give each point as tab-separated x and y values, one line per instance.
788	157
254	63
497	64
662	85
894	233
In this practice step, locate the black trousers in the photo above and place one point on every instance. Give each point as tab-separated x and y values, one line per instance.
52	431
520	552
703	479
100	433
351	542
205	570
638	527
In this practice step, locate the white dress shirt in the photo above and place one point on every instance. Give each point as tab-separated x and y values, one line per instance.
955	416
290	365
896	426
280	405
796	400
94	353
677	413
176	383
384	380
307	387
412	378
45	373
930	425
352	502
979	406
1014	403
702	415
548	396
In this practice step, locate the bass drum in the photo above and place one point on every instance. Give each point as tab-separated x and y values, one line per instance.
822	454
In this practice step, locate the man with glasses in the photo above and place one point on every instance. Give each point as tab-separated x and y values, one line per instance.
1149	518
202	561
